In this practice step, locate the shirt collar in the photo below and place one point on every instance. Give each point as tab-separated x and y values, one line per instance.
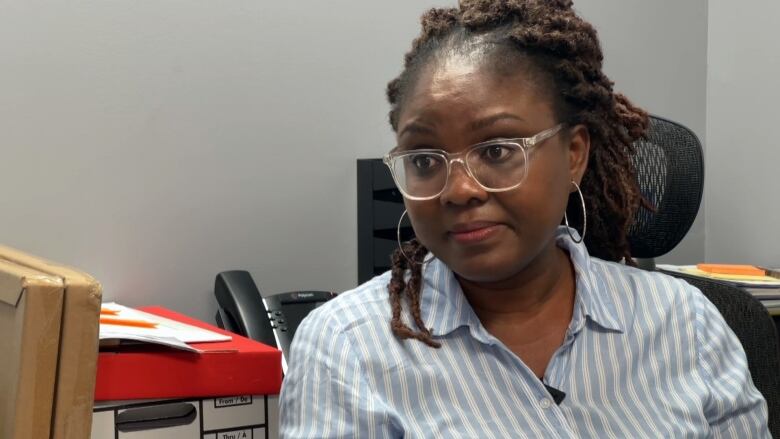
444	308
592	293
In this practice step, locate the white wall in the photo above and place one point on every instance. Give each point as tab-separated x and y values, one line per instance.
743	160
157	143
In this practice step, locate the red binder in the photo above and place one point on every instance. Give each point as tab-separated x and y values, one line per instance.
252	368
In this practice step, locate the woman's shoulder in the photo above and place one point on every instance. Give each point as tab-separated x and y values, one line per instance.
634	278
365	304
646	292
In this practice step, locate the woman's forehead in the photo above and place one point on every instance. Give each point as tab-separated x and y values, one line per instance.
450	88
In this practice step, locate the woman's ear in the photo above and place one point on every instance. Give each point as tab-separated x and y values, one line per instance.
579	149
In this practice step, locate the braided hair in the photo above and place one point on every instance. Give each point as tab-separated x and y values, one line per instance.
560	50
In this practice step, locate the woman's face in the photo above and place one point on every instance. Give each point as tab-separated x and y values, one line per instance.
487	236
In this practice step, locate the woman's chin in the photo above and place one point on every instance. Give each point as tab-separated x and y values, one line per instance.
484	271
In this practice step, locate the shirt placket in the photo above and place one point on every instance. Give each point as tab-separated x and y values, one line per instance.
523	378
556	374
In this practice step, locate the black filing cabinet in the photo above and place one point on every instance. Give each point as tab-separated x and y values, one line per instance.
379	206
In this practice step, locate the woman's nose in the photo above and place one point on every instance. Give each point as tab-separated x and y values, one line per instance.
461	187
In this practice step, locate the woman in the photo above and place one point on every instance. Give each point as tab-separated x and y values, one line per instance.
495	321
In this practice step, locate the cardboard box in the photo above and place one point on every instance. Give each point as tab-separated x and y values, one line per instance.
74	344
235	417
30	316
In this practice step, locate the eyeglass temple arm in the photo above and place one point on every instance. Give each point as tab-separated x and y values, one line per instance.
544	135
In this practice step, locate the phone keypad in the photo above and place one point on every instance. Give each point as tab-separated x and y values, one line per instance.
277	320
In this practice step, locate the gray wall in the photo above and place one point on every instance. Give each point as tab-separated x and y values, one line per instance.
743	206
656	52
155	144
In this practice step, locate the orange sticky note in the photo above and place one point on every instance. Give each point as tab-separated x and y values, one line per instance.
744	270
127	322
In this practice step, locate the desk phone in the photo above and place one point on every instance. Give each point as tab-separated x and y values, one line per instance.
272	319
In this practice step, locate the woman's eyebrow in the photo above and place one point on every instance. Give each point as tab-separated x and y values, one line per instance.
419	128
490	120
415	127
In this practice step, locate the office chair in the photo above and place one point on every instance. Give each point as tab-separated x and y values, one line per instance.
670	171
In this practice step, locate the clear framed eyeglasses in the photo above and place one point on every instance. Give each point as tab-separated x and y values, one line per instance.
497	165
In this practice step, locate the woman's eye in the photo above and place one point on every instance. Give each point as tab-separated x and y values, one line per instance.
423	162
496	152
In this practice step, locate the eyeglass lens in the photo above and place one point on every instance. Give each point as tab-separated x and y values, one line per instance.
495	166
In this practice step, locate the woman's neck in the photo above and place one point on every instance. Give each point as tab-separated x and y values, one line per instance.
531	312
546	285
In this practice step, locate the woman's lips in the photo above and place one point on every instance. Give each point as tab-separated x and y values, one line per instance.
470	233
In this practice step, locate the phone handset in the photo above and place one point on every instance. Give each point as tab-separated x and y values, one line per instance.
241	307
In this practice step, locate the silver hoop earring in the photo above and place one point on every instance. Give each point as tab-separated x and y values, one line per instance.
401	247
584	217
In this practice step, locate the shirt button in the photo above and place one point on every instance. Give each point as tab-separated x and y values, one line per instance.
545	403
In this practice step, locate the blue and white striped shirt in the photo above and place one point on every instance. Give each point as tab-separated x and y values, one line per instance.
645	355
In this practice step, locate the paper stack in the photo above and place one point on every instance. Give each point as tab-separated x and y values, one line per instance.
120	326
754	280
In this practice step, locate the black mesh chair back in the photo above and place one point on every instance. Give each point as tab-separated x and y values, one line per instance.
670	169
756	330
